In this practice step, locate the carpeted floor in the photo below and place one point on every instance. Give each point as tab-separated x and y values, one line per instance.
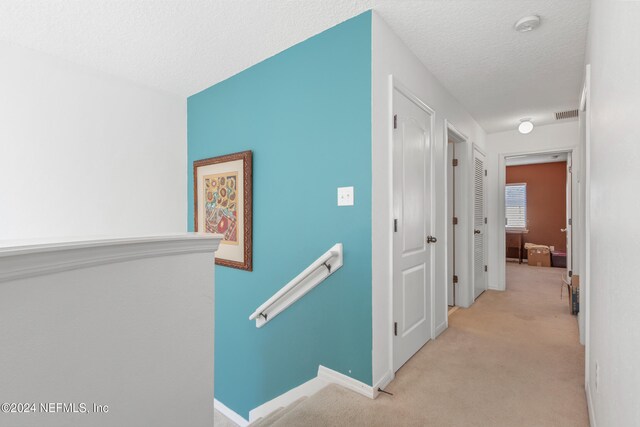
219	420
512	359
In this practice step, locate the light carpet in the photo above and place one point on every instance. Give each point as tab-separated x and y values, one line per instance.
219	420
512	359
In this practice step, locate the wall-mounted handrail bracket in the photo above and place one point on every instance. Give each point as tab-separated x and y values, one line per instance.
311	277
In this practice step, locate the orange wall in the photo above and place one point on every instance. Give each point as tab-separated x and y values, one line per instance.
546	202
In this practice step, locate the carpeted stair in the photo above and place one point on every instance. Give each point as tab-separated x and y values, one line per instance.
273	418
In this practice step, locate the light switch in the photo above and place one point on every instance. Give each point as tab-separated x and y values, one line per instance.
345	196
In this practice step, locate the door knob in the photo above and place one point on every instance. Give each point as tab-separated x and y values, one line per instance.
476	231
431	239
562	230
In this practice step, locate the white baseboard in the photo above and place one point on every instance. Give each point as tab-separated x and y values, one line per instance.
384	381
440	329
331	376
592	415
307	389
325	377
233	416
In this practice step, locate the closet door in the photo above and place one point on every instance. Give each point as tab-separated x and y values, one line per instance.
479	225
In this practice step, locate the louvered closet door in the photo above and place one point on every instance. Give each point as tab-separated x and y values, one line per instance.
479	226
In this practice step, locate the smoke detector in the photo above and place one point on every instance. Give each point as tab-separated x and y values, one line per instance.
528	23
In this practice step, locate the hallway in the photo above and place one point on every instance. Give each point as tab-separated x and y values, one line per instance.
513	359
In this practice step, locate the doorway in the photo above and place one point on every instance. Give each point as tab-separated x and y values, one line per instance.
455	147
412	232
537	206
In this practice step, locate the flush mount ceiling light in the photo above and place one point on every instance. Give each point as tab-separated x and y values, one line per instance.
528	23
525	126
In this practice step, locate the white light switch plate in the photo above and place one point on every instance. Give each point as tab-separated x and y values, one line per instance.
345	196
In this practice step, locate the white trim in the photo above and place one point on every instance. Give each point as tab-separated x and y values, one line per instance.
464	231
502	180
23	261
590	408
448	126
586	238
334	377
407	92
384	381
324	377
233	416
390	206
502	214
478	149
463	140
307	389
442	327
433	230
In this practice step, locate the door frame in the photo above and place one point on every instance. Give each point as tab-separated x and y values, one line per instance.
395	84
502	181
584	257
458	193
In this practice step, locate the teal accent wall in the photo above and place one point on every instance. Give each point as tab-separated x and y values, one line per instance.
306	114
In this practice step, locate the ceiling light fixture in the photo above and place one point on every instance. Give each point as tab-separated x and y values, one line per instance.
525	126
528	23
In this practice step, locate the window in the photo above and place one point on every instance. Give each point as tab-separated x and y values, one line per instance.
516	206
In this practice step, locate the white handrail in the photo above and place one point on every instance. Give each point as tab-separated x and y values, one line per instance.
286	288
329	262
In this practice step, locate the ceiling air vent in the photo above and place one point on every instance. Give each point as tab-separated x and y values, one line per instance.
566	114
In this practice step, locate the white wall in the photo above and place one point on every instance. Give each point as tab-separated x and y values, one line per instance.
391	57
84	153
549	137
126	323
613	336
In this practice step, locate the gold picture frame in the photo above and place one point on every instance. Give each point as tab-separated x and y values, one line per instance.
223	204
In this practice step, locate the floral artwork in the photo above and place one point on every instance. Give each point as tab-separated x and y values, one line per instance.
223	200
221	205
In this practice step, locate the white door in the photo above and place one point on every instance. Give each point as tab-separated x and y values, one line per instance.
568	213
412	227
479	226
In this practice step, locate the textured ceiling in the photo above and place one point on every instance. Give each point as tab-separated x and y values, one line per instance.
498	74
182	47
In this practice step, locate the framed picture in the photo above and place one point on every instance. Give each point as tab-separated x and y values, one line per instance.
223	205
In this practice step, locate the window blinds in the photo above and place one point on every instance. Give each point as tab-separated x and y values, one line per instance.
516	205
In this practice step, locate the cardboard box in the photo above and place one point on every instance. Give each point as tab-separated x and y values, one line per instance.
539	256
